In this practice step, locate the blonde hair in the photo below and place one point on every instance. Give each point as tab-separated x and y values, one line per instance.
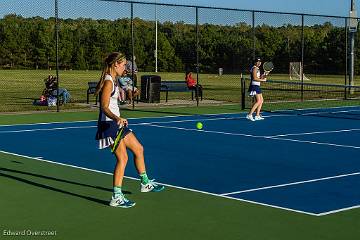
109	62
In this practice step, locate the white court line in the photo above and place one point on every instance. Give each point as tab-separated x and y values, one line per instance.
318	132
46	129
338	210
291	184
313	142
342	111
86	121
154	124
182	188
82	127
240	115
45	123
197	118
254	136
207	131
168	185
188	189
305	109
182	121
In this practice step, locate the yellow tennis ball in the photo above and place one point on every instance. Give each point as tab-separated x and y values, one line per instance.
199	125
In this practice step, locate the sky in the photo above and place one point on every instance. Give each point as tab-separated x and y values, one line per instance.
322	7
68	8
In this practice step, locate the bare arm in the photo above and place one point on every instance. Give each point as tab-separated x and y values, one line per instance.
105	101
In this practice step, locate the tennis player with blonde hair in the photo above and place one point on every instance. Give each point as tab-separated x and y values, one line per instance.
108	125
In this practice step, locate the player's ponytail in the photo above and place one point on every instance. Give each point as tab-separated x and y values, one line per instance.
109	62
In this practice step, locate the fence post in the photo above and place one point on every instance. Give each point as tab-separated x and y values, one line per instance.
254	37
132	53
242	83
57	53
302	57
346	57
197	56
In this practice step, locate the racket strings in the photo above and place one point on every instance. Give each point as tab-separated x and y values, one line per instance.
268	66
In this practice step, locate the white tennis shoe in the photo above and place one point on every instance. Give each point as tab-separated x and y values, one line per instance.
151	186
259	118
121	201
250	117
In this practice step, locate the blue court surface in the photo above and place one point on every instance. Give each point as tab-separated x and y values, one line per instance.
307	164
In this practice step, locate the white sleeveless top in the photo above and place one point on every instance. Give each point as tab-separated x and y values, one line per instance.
113	104
253	82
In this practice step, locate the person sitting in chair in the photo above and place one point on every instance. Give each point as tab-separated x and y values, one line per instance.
127	85
192	84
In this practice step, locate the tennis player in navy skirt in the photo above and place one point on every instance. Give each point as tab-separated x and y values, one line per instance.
108	125
255	91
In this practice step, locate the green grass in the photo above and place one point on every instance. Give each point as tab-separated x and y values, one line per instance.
18	88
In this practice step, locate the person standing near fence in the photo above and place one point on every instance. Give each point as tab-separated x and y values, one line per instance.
130	66
108	125
255	91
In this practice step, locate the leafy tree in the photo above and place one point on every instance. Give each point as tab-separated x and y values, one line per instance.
84	42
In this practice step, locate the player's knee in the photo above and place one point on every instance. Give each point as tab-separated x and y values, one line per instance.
122	158
140	149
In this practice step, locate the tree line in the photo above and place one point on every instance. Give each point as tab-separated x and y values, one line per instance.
29	43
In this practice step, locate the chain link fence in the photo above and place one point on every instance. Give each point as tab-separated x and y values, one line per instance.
70	38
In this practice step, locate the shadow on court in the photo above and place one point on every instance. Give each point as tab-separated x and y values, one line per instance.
26	181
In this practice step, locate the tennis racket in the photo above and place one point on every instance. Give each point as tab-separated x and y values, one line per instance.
118	138
268	67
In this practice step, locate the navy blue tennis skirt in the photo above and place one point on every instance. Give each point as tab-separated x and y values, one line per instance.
109	129
254	89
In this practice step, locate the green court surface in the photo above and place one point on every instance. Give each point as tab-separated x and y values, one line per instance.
73	203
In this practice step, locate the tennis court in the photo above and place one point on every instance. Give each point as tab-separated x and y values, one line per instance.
302	163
